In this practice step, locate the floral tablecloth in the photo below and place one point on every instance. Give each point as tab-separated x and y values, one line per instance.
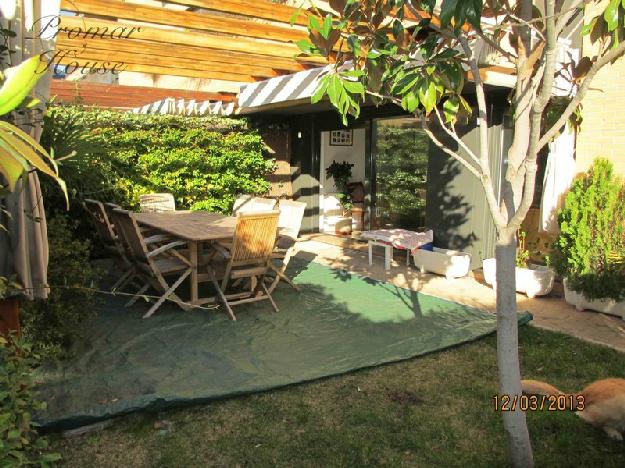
400	238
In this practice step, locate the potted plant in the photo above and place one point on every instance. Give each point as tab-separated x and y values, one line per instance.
9	308
531	279
341	172
589	252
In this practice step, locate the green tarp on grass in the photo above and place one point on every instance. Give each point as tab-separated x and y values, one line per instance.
338	323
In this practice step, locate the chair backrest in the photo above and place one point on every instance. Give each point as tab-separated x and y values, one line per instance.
249	204
254	238
129	231
157	202
291	216
240	202
103	224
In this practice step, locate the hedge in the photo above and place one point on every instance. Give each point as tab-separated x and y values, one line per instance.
116	156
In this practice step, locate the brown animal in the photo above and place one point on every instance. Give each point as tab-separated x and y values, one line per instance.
604	403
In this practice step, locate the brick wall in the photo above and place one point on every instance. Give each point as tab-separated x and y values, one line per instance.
603	128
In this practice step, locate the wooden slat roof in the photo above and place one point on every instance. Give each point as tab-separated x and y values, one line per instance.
238	41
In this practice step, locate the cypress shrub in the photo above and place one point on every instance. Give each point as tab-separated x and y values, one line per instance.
590	249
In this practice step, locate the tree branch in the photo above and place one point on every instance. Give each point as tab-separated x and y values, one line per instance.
608	57
567	13
452	133
483	177
450	152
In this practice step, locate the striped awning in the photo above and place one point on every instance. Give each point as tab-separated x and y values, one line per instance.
189	107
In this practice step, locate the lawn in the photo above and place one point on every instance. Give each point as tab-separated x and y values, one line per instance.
430	411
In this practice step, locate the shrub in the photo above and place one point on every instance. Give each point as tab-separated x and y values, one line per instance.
53	323
590	248
20	444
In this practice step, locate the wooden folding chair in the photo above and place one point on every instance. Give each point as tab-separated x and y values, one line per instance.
157	202
248	258
289	225
153	265
111	241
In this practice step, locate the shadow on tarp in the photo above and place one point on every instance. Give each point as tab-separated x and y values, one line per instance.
338	323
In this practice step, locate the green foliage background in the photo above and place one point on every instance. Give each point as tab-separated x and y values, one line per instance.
590	249
401	175
52	324
203	161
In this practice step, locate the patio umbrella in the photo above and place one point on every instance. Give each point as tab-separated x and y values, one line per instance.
23	239
559	174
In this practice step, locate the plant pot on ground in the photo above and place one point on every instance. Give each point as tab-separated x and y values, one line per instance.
9	316
9	308
531	279
590	250
341	172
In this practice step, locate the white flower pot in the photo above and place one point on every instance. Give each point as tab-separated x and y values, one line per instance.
537	280
451	263
607	306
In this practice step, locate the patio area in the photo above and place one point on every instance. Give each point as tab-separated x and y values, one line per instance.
338	323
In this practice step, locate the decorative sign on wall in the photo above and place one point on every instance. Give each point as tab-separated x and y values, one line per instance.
341	137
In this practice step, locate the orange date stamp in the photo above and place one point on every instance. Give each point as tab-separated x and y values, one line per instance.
539	402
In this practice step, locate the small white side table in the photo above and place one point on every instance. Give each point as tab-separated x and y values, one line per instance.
388	253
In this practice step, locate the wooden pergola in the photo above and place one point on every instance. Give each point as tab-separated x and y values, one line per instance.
230	42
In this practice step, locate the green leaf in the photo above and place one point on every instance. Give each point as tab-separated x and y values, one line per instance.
320	91
295	15
313	23
450	109
611	14
427	95
448	11
326	28
473	12
51	457
353	73
398	29
410	102
353	42
305	46
588	27
355	87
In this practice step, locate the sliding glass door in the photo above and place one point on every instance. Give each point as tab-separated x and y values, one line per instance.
400	161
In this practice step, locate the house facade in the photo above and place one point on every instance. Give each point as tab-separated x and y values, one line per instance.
408	181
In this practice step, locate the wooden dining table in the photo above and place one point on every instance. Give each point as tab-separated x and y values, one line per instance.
196	228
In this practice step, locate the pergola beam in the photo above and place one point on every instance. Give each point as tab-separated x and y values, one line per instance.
133	46
252	8
163	70
172	61
181	37
185	19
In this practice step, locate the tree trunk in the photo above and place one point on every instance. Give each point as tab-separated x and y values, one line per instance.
515	425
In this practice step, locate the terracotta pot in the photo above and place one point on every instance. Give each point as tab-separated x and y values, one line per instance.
9	316
343	226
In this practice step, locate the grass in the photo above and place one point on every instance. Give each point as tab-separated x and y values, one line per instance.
431	411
